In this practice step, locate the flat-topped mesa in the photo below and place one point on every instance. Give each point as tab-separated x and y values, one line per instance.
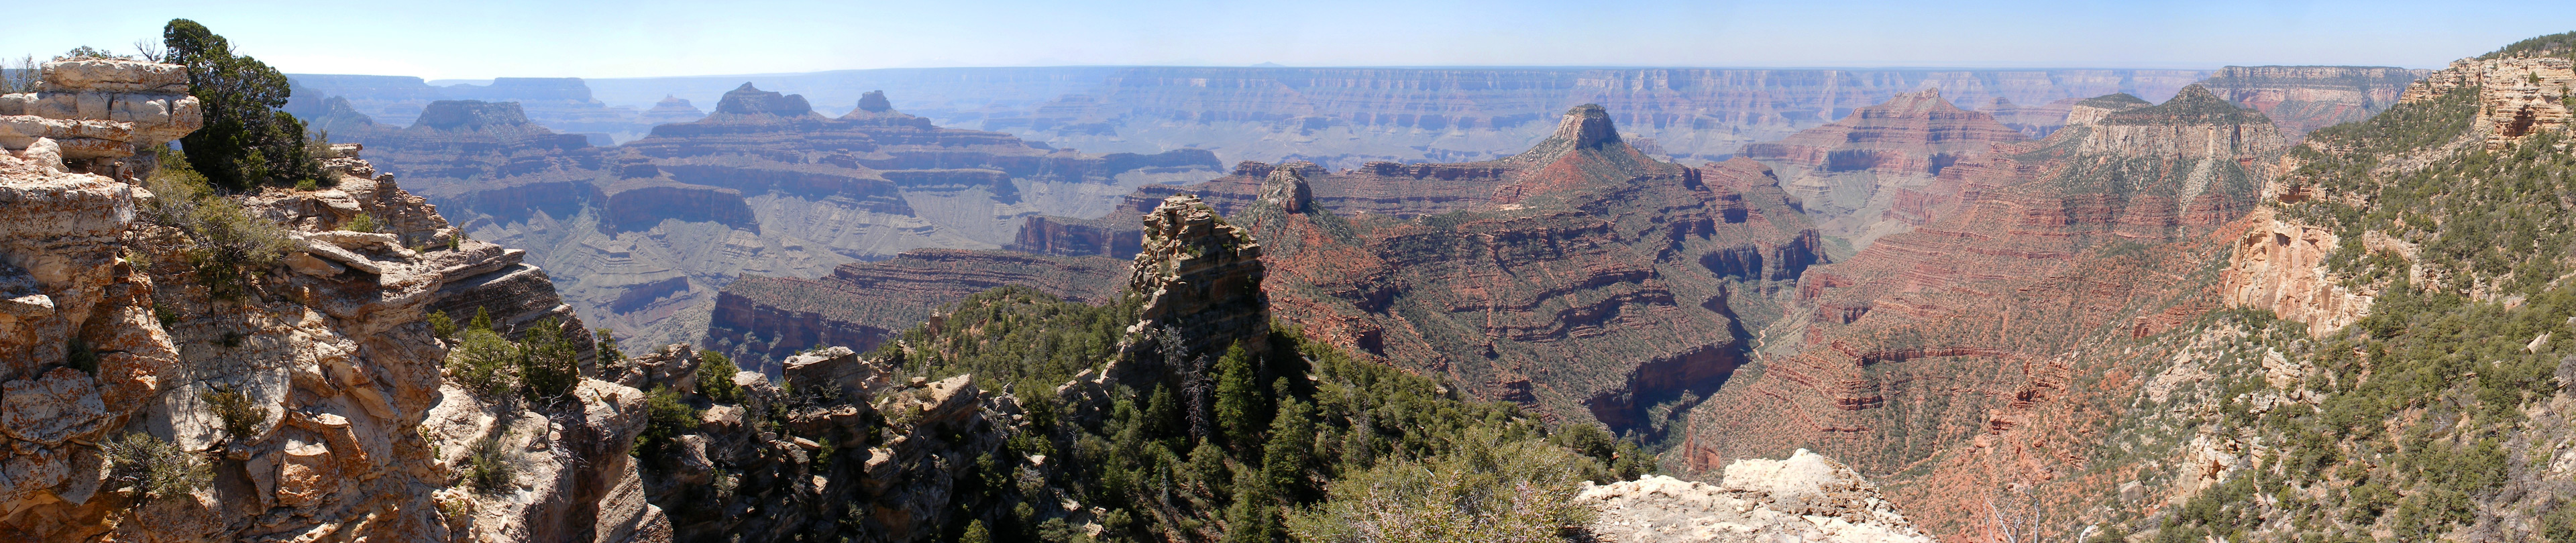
748	102
2089	111
875	102
1913	133
2302	99
97	110
673	109
2194	124
471	115
1200	277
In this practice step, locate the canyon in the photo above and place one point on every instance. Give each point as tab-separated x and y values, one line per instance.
643	235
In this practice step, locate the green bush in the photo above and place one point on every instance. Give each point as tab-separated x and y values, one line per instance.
245	142
481	362
715	377
240	416
1490	491
361	223
666	416
227	246
488	467
549	362
441	326
77	355
155	468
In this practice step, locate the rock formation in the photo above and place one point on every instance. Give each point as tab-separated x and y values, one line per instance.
1806	497
2301	99
88	114
311	389
1848	173
2033	121
2518	95
672	109
646	233
1941	339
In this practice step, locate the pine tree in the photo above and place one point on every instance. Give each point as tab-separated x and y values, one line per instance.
246	140
1238	398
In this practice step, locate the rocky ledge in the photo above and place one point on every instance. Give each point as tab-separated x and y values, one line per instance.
1806	497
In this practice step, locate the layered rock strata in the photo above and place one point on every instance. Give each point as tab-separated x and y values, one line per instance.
2301	99
1850	172
646	233
313	392
89	113
1933	342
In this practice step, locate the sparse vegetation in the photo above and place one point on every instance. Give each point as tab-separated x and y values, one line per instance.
79	356
489	468
361	223
153	467
227	247
240	416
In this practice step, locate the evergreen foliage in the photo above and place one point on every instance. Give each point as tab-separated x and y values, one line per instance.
715	377
246	140
1286	426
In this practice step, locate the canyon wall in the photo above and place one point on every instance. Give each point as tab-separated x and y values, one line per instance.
643	235
2301	99
1925	351
1849	173
305	394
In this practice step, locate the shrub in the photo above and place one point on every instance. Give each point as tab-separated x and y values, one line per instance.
77	355
227	246
666	416
549	363
87	52
155	468
481	362
246	141
241	417
361	223
441	326
1487	492
715	377
488	468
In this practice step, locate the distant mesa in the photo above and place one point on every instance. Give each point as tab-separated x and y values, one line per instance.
471	115
673	109
748	100
875	102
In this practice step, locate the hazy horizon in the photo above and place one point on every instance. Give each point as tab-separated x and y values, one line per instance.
480	40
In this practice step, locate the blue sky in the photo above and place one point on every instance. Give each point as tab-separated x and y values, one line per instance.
473	39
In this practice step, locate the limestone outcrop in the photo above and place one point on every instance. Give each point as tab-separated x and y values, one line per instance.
2280	266
94	111
2518	95
1805	497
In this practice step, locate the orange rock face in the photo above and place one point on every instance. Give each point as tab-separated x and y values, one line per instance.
1940	340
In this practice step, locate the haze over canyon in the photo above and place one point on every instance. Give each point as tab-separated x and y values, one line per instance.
1270	304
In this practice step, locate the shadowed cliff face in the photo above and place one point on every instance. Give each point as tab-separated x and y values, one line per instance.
644	234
